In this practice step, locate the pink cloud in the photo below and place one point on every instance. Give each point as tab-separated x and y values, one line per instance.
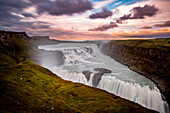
64	34
143	33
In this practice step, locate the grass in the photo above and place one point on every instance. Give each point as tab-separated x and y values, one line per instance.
31	88
160	44
12	50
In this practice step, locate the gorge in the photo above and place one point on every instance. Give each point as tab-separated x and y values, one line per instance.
84	63
79	62
27	87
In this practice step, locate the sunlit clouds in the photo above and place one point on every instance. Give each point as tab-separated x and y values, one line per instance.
148	33
87	19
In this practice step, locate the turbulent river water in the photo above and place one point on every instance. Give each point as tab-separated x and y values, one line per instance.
84	63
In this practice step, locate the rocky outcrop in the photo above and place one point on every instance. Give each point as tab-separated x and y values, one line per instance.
151	62
9	34
87	74
42	40
12	44
97	77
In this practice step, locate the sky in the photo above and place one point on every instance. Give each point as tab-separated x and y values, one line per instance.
87	19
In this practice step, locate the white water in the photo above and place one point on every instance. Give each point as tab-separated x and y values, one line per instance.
79	57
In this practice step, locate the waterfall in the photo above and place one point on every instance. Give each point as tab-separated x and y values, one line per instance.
145	96
84	63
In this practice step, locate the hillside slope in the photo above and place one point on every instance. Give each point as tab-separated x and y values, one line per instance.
147	57
29	88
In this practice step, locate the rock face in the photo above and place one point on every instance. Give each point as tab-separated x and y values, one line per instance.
97	77
153	62
87	74
10	34
42	40
12	44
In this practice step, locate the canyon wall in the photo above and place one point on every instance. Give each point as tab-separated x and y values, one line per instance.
150	58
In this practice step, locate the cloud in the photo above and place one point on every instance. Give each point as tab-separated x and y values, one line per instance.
146	27
64	34
105	27
143	33
14	16
62	7
166	24
28	15
24	26
56	7
102	3
103	14
13	4
139	13
10	14
7	7
124	17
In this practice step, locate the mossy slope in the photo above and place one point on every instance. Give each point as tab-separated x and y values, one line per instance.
29	88
12	50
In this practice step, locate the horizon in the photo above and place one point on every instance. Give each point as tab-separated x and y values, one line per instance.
87	19
53	38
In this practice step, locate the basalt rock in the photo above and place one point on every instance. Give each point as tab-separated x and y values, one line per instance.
97	77
87	74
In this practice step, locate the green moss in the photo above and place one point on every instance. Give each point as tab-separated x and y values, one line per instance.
5	60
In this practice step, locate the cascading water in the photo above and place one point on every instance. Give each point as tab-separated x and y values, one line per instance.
84	63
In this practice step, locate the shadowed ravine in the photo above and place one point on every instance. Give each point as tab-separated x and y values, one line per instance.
84	63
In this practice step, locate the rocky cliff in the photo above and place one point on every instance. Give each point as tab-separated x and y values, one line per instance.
147	57
42	40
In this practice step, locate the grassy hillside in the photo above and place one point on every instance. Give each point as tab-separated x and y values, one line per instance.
12	50
29	88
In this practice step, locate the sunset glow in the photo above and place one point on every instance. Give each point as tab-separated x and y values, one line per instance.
87	19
